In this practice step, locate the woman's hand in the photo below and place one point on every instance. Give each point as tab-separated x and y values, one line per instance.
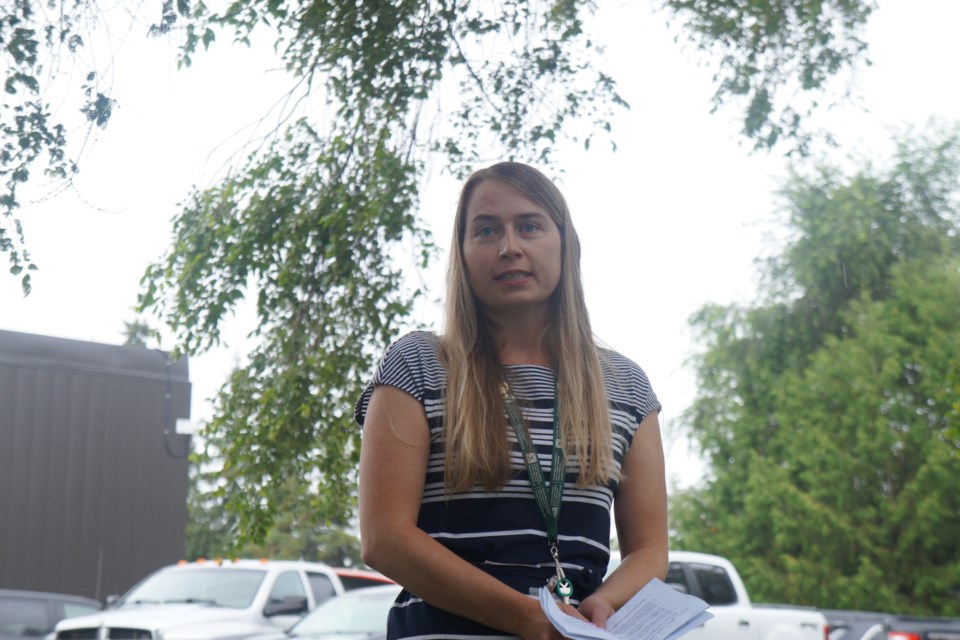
596	609
540	628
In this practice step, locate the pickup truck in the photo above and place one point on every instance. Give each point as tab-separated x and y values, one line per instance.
217	600
716	581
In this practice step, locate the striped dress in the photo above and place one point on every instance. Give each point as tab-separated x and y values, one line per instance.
502	532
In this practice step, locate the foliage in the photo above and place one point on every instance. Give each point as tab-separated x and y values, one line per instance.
825	411
521	71
38	40
310	243
296	534
776	58
139	333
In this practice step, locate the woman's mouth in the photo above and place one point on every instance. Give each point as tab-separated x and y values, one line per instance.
513	275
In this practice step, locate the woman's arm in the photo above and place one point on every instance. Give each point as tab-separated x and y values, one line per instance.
640	513
393	463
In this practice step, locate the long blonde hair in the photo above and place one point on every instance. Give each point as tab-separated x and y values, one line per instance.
476	449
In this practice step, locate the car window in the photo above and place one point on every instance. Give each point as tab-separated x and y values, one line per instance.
288	584
26	617
676	578
218	585
321	585
74	609
352	582
714	584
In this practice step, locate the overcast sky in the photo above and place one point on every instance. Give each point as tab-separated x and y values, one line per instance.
672	220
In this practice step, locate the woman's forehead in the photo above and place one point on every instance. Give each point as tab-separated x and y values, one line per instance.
494	198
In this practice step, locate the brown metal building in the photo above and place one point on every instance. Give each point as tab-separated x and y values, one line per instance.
93	476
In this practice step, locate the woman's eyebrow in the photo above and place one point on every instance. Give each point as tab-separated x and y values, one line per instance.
489	217
484	217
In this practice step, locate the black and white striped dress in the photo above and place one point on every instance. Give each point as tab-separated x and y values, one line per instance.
502	532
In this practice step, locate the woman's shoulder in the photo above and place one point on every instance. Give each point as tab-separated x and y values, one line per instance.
616	363
626	380
418	349
416	340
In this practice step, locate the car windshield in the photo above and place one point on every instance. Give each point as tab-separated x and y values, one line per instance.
215	586
357	613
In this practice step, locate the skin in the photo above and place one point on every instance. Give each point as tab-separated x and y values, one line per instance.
505	233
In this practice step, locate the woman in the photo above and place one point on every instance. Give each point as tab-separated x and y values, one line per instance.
450	505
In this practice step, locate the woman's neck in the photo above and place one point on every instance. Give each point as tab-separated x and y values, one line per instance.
521	343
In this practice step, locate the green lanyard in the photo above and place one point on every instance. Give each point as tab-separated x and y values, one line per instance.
548	502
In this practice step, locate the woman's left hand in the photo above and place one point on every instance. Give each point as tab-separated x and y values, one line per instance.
596	610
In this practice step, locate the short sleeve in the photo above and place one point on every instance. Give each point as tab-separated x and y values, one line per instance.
404	365
628	387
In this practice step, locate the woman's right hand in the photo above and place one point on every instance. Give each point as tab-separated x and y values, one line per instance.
542	629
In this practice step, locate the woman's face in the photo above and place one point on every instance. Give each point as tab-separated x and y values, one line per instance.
511	250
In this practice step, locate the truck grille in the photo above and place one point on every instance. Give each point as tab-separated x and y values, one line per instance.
111	633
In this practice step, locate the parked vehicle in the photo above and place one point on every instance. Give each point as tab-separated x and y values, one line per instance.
865	631
895	627
358	615
854	625
902	627
216	601
716	581
33	614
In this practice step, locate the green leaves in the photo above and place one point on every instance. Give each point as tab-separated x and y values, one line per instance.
776	58
32	42
305	230
827	410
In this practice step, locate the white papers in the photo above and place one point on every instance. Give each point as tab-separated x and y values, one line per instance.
656	612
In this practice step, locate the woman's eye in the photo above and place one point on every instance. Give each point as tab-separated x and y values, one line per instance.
485	232
529	227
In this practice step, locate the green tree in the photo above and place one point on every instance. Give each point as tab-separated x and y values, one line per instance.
296	533
139	333
37	41
825	410
775	59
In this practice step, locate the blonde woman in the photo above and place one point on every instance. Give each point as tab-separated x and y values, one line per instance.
465	433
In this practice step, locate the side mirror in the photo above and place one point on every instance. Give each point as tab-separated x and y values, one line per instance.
291	605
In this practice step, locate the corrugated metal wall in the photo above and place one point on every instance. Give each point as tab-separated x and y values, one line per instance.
93	476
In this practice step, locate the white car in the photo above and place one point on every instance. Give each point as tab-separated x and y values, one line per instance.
216	601
358	615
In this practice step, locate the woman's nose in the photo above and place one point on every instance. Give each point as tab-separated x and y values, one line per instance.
508	245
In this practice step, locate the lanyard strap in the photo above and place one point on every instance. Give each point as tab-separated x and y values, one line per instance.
548	503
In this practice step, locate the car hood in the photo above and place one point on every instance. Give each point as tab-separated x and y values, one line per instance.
164	617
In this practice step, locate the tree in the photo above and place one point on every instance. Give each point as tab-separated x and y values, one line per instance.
297	534
776	59
38	40
825	413
138	333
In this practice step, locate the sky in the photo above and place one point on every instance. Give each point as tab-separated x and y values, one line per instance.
674	219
